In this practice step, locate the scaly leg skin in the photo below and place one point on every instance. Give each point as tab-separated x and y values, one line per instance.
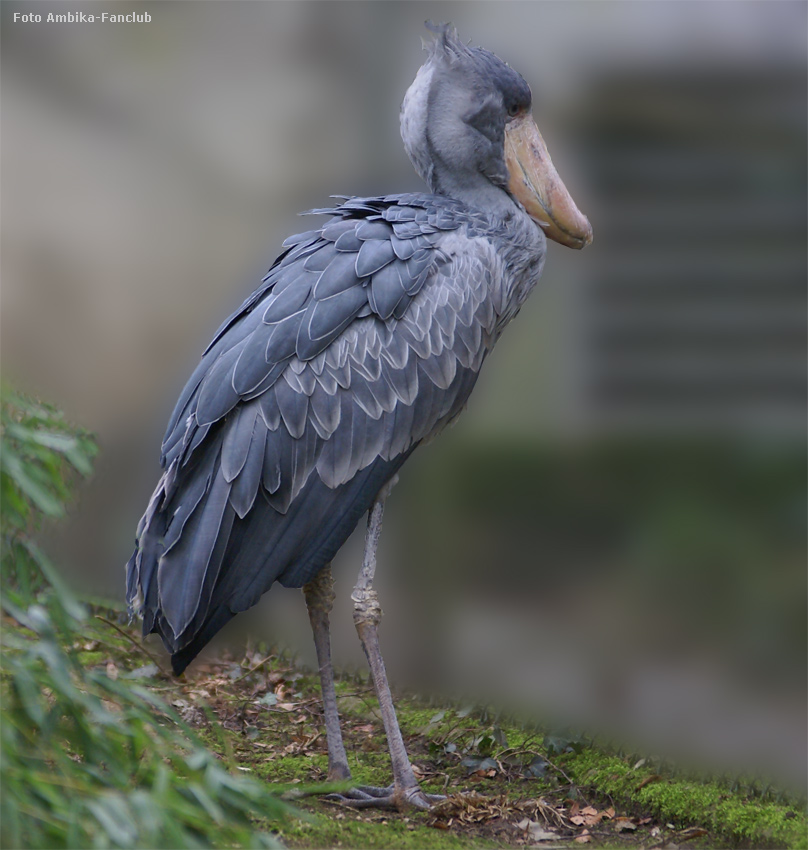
405	791
319	594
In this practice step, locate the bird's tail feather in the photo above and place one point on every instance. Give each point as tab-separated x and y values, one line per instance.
221	564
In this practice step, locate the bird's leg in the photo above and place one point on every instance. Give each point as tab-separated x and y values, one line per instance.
319	593
405	790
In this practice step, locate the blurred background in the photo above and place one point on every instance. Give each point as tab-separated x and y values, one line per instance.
613	536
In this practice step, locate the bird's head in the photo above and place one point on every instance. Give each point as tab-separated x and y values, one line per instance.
467	127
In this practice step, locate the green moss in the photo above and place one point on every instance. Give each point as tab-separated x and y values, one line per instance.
92	658
414	719
300	768
738	818
730	817
327	829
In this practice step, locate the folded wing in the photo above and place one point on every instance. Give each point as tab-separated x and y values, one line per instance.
365	338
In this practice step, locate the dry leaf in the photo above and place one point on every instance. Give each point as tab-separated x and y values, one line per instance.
590	816
693	832
608	813
625	824
583	838
654	777
535	831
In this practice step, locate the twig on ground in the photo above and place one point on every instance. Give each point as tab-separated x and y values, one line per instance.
139	645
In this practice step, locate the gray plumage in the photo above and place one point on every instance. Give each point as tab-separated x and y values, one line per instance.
364	339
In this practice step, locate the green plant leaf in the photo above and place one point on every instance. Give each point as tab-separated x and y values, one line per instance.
38	494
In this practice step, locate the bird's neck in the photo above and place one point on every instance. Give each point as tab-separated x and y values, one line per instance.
475	190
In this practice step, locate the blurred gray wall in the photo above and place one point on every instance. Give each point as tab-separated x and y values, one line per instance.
151	171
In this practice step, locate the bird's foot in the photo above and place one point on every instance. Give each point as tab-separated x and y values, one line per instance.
370	797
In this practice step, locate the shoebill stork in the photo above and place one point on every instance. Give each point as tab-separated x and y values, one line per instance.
363	341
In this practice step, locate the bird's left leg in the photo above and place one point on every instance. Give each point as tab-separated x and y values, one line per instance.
319	593
405	790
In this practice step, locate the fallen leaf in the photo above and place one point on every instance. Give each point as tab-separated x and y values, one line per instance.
535	831
592	817
654	777
608	813
480	767
583	838
145	672
537	768
693	832
625	824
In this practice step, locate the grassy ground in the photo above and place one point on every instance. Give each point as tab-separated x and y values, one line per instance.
505	786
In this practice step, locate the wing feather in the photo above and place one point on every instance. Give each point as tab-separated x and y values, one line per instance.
181	572
245	487
294	407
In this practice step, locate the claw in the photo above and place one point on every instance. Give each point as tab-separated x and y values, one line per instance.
420	800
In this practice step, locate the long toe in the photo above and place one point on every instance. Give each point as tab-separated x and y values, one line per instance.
420	800
360	792
371	797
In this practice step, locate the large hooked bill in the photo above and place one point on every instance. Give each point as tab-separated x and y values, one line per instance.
535	183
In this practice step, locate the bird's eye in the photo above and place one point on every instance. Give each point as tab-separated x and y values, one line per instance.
513	110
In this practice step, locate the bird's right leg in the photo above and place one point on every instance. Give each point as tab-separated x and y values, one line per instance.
405	791
319	593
